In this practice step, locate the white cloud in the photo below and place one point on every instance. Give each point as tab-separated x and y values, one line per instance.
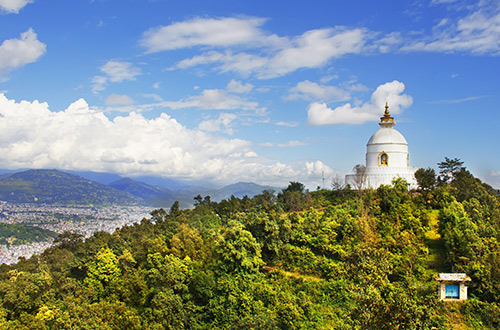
287	124
461	100
283	145
153	96
495	173
320	114
208	99
251	154
99	83
16	53
478	32
315	48
310	50
203	32
307	90
119	71
387	43
205	58
116	99
329	78
318	169
443	1
271	55
222	124
80	138
241	45
357	87
13	6
391	92
239	88
218	99
242	63
116	72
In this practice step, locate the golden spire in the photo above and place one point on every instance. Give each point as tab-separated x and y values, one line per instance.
387	117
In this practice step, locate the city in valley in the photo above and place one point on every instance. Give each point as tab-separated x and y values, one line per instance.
80	219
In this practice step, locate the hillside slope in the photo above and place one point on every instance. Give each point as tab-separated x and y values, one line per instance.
343	260
52	186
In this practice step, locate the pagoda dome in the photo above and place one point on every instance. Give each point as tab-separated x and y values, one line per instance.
387	136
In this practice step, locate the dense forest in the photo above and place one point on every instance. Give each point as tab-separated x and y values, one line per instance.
17	234
328	259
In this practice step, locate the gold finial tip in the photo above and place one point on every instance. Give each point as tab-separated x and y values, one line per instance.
387	117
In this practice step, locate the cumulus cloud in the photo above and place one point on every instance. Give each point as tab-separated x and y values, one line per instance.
16	53
13	6
221	124
391	92
80	138
317	168
116	72
307	90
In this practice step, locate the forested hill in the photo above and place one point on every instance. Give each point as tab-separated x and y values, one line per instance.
322	260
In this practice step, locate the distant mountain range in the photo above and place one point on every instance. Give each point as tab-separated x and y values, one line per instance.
57	187
52	186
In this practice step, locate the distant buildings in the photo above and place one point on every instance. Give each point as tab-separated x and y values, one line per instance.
81	219
387	157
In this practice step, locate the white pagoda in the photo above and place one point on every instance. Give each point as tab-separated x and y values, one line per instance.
387	157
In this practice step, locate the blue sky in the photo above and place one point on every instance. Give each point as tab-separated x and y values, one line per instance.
262	91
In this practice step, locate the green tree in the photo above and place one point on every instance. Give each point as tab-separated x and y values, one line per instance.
293	197
103	271
449	168
174	209
237	249
426	179
266	200
187	242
